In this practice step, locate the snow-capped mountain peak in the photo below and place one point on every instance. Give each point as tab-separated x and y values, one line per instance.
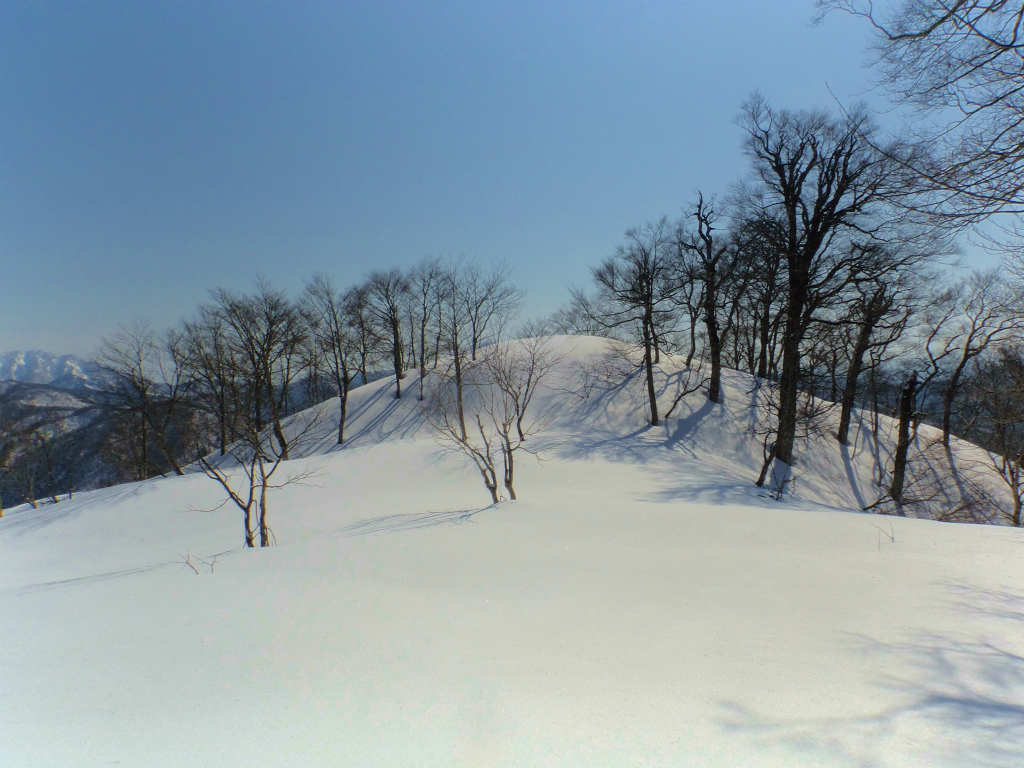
40	367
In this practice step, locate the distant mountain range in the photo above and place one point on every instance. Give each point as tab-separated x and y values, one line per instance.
49	396
39	367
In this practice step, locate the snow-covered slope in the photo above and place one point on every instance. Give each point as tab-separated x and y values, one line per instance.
641	604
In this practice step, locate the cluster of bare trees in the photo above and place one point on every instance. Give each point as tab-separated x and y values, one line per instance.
46	444
818	276
956	64
220	391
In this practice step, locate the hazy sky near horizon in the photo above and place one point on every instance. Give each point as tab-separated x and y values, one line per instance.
151	151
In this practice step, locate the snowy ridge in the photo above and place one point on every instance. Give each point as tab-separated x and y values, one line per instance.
641	604
600	405
38	367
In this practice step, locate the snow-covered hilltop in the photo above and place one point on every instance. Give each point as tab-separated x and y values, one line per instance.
642	603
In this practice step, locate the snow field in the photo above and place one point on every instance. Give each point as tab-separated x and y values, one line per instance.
641	604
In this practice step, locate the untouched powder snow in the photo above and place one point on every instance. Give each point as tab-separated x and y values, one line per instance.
642	604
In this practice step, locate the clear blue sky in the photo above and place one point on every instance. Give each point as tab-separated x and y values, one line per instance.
150	151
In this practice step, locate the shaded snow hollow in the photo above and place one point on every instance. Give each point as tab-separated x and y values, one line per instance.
642	604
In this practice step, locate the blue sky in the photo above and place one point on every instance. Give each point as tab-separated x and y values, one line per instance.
151	151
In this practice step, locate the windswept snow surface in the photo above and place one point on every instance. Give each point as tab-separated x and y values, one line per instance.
641	604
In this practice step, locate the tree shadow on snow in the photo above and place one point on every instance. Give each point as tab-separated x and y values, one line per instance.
408	522
27	520
960	698
645	443
82	580
682	428
383	425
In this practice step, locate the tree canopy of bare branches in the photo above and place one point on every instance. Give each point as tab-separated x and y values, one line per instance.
499	406
960	62
334	338
715	260
268	333
387	292
822	179
146	380
634	292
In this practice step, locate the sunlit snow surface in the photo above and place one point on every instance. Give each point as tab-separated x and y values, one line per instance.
640	605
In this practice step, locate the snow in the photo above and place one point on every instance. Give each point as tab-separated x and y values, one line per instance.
641	604
39	367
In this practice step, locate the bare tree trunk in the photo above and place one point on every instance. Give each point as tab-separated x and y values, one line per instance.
458	393
247	518
649	367
222	418
396	333
423	354
275	415
693	344
509	457
714	339
264	532
1015	487
279	434
343	405
952	389
492	488
788	392
764	336
166	448
764	467
789	380
850	388
1011	471
899	468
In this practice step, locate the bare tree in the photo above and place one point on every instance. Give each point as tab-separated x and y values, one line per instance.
1000	396
501	393
360	320
386	293
760	242
491	300
716	262
821	178
578	319
250	470
688	297
146	378
634	292
268	333
974	316
958	62
454	334
333	336
908	401
213	368
425	290
879	314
